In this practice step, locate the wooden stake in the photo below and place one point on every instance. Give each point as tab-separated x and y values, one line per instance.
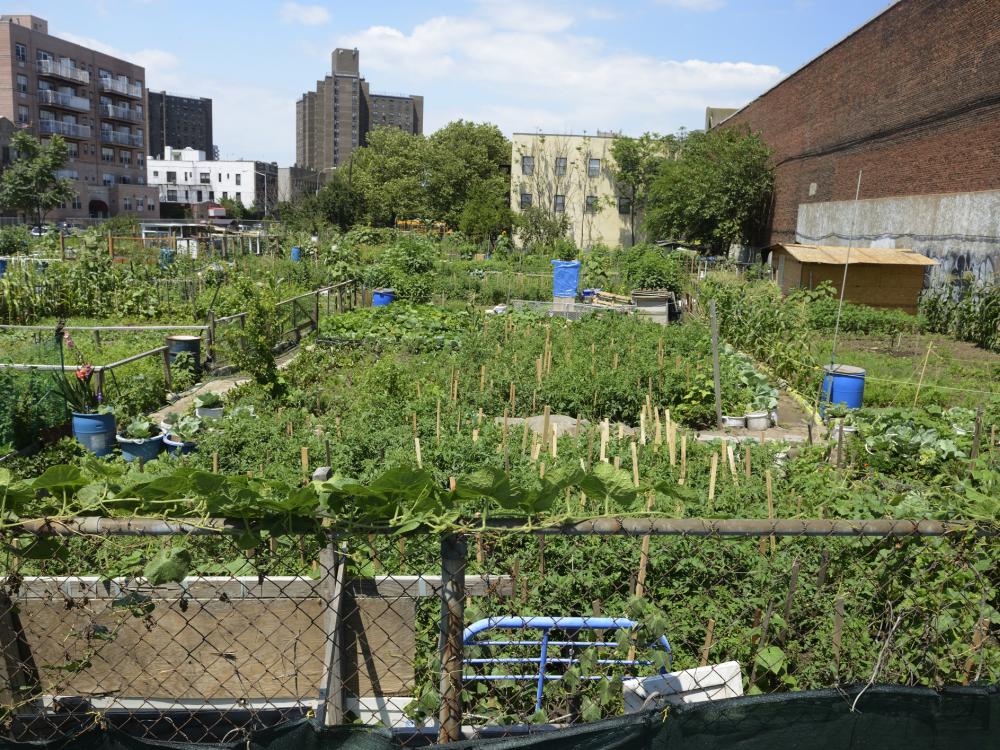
746	459
414	421
215	462
416	447
524	437
541	470
684	459
482	378
635	464
923	369
513	398
707	647
715	364
538	371
642	427
475	435
555	444
605	436
304	457
711	480
770	506
437	424
546	415
732	464
657	430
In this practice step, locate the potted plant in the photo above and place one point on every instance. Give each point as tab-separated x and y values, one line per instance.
93	422
208	405
141	440
181	435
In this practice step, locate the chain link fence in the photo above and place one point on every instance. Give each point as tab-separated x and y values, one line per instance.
491	631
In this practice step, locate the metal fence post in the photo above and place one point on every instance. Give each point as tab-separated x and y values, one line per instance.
453	557
333	568
167	375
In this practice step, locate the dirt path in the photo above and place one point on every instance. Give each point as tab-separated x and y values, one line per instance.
218	385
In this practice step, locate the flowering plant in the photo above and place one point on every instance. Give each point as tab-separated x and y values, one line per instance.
77	389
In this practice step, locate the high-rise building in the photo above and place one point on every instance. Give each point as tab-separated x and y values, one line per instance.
180	122
333	120
96	102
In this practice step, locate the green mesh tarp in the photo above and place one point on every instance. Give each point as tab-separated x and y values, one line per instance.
885	718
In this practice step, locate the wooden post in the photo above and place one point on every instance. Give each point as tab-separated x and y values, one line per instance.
333	569
453	557
111	247
684	459
304	457
168	379
709	632
715	365
215	462
711	479
746	459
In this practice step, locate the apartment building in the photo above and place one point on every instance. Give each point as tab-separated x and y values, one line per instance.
572	175
294	182
333	120
181	122
185	177
96	102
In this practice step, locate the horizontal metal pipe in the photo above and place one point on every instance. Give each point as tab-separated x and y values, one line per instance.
105	328
734	527
133	358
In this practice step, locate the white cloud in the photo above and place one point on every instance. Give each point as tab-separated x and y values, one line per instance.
163	68
545	76
694	4
307	15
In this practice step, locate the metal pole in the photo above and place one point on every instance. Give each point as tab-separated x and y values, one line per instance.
453	556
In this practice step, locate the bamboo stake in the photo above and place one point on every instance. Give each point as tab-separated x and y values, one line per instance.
684	459
923	369
711	480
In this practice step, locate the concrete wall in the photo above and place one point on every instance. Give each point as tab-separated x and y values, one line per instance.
603	225
959	230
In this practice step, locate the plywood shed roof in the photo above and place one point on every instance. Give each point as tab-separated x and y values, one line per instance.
837	256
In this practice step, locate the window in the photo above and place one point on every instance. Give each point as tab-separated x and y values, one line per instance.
77	204
527	165
211	195
127	203
591	204
239	197
107	155
525	200
22	113
172	196
200	199
140	203
594	168
108	179
22	83
624	206
238	179
20	53
559	204
205	178
560	166
156	173
225	195
171	177
73	149
220	176
125	157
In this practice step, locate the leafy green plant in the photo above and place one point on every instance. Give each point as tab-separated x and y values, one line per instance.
208	400
140	429
185	428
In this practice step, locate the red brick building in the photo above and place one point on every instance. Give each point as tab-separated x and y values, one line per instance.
911	99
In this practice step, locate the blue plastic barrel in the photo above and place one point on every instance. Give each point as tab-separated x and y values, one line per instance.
3	266
95	432
565	278
296	254
140	450
189	344
843	384
382	297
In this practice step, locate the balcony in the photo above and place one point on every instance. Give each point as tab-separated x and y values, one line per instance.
69	129
121	139
68	101
63	70
110	112
122	87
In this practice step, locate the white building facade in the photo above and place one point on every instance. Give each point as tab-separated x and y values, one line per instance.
185	176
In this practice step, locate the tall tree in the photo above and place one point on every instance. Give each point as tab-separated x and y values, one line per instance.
717	191
467	163
636	161
31	185
391	174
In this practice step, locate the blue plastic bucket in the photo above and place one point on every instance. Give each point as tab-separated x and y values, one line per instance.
565	278
382	297
843	384
189	344
296	254
95	432
140	450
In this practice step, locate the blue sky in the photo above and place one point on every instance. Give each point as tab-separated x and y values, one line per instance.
553	65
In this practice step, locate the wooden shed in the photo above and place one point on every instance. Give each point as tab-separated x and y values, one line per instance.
879	277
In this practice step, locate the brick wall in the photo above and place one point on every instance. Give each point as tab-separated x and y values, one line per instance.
912	98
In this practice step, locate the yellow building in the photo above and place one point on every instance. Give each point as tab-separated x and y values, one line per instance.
573	174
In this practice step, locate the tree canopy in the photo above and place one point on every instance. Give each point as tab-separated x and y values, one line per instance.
636	162
716	191
31	185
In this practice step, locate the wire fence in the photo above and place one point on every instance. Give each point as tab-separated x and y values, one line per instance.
456	635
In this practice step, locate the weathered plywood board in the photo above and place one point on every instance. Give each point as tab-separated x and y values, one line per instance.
217	649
